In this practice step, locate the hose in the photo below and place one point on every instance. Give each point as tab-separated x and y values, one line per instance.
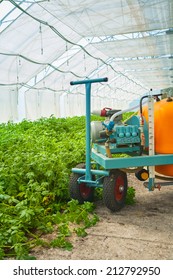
123	111
132	108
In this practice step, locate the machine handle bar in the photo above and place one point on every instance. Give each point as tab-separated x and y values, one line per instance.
89	81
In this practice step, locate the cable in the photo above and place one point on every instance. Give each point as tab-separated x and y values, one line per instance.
41	63
32	87
69	41
56	69
118	72
32	2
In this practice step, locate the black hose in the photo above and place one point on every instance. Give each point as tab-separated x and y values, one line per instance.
146	96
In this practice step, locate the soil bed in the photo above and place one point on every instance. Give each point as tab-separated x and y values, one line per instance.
138	232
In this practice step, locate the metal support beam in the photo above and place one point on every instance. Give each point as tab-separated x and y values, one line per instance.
113	163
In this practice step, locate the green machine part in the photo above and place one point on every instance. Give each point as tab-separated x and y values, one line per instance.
135	120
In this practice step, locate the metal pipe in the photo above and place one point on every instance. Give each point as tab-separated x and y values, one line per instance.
99	80
88	117
88	151
93	171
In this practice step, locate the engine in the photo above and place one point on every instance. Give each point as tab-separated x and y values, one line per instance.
121	137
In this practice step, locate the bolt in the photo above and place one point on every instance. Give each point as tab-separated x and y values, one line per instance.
121	189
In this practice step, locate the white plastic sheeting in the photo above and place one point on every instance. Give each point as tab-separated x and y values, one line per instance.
139	47
110	17
144	49
46	44
8	105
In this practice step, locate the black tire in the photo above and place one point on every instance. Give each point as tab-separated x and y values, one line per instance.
78	191
142	175
115	190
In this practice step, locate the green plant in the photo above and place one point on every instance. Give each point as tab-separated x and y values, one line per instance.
130	198
35	163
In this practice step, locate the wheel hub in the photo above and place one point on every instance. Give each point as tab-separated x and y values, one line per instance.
121	189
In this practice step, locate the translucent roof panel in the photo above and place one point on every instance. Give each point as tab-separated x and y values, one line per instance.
28	46
98	18
46	44
8	12
149	52
47	31
140	47
146	63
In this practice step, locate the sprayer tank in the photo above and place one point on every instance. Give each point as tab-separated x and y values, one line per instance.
163	121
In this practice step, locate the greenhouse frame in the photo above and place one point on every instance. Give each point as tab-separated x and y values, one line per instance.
46	44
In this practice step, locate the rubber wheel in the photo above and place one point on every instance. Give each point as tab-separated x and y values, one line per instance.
78	191
115	190
142	175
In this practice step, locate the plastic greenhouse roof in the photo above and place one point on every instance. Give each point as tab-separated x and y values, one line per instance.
46	44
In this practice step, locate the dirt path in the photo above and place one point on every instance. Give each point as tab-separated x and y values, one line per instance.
142	231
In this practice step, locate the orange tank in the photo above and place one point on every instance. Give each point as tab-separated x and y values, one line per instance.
163	120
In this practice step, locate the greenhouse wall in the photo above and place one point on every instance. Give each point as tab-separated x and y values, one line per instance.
32	105
8	105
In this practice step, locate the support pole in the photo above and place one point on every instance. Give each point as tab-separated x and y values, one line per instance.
87	125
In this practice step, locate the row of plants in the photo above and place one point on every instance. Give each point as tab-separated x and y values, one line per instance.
35	164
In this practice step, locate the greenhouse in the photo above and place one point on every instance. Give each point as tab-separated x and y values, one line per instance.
85	114
46	44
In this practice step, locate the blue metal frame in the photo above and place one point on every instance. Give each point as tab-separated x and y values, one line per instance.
97	153
116	150
87	84
137	161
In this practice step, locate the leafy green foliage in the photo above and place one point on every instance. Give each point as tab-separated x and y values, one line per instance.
35	163
130	198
